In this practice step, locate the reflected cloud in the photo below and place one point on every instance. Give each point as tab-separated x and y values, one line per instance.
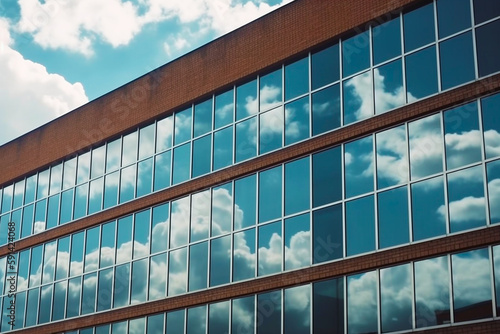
180	222
358	93
426	146
200	215
386	99
298	255
494	196
464	210
297	128
222	202
392	162
492	143
362	303
463	148
270	96
270	257
38	227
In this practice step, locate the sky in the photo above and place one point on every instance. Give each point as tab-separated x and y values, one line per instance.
56	55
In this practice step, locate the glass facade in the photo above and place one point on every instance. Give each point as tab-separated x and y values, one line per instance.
427	178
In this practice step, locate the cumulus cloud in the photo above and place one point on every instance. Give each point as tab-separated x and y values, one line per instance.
464	210
494	194
391	155
29	95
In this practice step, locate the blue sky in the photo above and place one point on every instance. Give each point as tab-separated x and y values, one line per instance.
56	55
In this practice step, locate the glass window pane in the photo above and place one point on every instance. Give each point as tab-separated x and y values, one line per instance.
129	152
29	195
113	155
201	155
156	323
177	272
89	293
419	27
223	148
7	198
200	215
81	195
487	38
328	234
222	200
76	264
144	177
453	16
202	118
92	249
49	260
40	214
27	221
124	240
270	249
18	194
457	61
396	297
103	329
74	290
127	184
493	172
432	292
60	289
270	194
362	303
245	199
22	271
56	179
386	41
175	322
485	10
220	261
471	285
297	186
196	320
4	225
427	200
159	228
179	226
496	264
164	130
393	226
218	318
297	242
327	176
111	189
360	226
140	275
421	74
392	157
246	139
121	287
31	307
162	171
66	207
426	146
297	121
16	219
117	328
462	137
182	126
146	141
269	321
244	255
271	130
358	162
97	168
328	307
270	90
389	92
466	201
104	289
136	326
326	110
198	266
297	78
107	257
356	54
36	266
182	155
224	109
491	125
43	182
325	66
157	277
297	310
246	100
142	224
358	98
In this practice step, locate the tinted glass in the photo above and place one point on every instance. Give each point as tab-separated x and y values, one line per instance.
144	177
485	10
297	242
325	66
396	298
200	215
223	148
457	61
135	326
27	221
113	155
157	278
175	322
491	125
358	98
466	200
198	266
49	260
356	54
487	38
201	155
270	94
362	303
271	130
182	155
392	157
296	78
196	320
393	228
111	189
297	121
246	139
328	306
40	212
270	249
453	16
18	194
493	172
139	291
7	198
83	169
389	92
496	264
202	118
21	304
95	195
426	148
246	100
432	292
177	272
218	318
471	274
104	289
297	311
81	195
89	293
220	261
327	176
297	186
386	41
270	322
43	180
73	303
66	207
107	256
162	171
179	227
97	168
36	266
328	234
244	255
56	173
29	195
141	233
427	200
358	162
31	307
146	141
156	323
22	271
326	110
222	200
462	137
92	249
127	184
421	74
124	240
121	288
159	228
360	226
224	109
76	261
182	126
419	27
270	194
164	130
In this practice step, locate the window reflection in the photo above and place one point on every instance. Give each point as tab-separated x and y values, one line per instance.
220	261
270	94
246	139
270	249
246	100
396	298
327	176
43	180
56	178
358	162
66	207
159	228
179	226
97	167
245	205
419	27
127	184
456	60
297	121
326	110
146	141
218	318
7	198
18	194
496	266
89	293
22	271
196	320
136	326
144	177
325	66
164	131
421	74
356	54
386	41
297	242
198	266
40	214
222	201
360	226
297	185
224	109
177	272
60	289
201	155
36	266
156	323
20	304
269	312
491	125
175	322
202	118
162	171
124	240
223	148
92	249
121	286
104	289
76	260
73	304
297	312
485	10
141	233
392	161
270	194
271	130
393	226
27	221
83	169
129	152
182	126
31	307
113	155
328	307
45	304
389	91
29	195
111	189
49	261
453	16
81	195
328	234
493	172
107	256
244	256
157	276
139	277
296	78
427	202
362	303
182	155
358	98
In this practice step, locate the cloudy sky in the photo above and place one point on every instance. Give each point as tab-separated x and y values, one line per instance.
56	55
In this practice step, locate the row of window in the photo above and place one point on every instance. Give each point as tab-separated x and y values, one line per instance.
432	292
253	118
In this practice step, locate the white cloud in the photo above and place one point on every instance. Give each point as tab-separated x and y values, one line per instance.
29	95
464	210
